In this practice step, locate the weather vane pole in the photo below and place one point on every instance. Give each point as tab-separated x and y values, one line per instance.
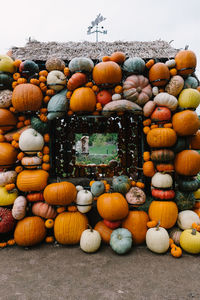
95	25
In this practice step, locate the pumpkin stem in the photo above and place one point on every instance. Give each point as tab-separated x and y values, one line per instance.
157	226
194	231
90	227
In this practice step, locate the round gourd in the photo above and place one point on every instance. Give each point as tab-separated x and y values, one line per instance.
19	208
31	141
90	240
56	80
163	194
175	85
162	155
57	105
44	210
189	98
184	200
104	231
5	98
83	100
32	180
135	65
187	163
7	222
165	99
8	155
160	180
28	68
97	188
159	74
171	63
81	64
161	115
84	201
54	63
7	64
185	62
175	234
161	137
39	126
6	81
76	80
121	184
195	141
185	122
107	73
135	196
157	239
116	97
121	240
7	197
190	82
60	193
7	120
190	185
31	162
148	168
186	218
190	241
7	177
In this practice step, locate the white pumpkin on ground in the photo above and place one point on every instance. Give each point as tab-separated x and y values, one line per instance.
90	240
19	208
7	177
84	201
167	100
186	218
157	239
31	141
160	180
56	80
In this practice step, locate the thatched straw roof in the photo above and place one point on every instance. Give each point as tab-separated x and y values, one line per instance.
35	50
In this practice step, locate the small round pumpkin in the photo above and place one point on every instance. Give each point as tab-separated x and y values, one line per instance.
90	240
81	64
84	201
160	180
187	163
185	62
186	218
107	73
83	99
97	188
121	240
189	98
54	63
190	241
135	196
56	80
104	231
157	239
7	120
161	115
134	65
60	193
159	74
8	155
121	184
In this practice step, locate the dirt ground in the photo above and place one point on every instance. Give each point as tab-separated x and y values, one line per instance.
56	272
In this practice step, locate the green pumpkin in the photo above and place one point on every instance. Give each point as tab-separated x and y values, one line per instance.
182	143
184	200
57	106
81	64
6	81
39	126
135	65
97	188
121	184
190	185
121	240
162	155
190	82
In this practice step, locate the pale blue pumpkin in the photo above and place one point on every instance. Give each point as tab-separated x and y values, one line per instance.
97	188
190	82
135	65
121	184
121	240
81	64
57	106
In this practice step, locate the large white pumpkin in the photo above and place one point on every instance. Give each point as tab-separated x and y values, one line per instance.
31	141
84	200
186	218
157	239
160	180
19	208
90	240
56	80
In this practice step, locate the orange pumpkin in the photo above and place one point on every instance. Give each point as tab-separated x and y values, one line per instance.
32	180
112	206
161	137
185	122
76	80
27	97
107	73
148	169
83	99
185	62
60	193
105	231
7	120
29	231
8	155
118	57
69	226
187	162
159	74
195	141
164	211
136	223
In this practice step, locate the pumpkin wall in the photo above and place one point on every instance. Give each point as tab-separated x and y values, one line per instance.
164	93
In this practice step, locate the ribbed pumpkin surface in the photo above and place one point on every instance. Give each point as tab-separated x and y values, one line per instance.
185	122
69	226
83	99
8	155
187	162
161	137
32	180
107	72
7	118
60	193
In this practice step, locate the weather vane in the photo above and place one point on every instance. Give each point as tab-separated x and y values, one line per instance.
95	25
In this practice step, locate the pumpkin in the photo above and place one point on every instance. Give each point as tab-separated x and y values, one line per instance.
162	194
32	180
7	222
84	201
19	208
190	82
148	169
27	97
7	177
60	193
5	98
175	234
195	141
112	224
190	241
31	141
7	64
159	74
54	63
31	162
136	88
136	223
90	240
167	100
6	81
134	65
97	188
44	210
186	218
161	137
57	106
69	226
164	167
79	188
7	120
162	155
120	105
81	64
188	185
160	180
175	85
185	62
157	239
8	155
28	68
187	163
189	98
112	206
171	63
135	196
35	197
107	73
39	126
49	223
56	80
116	97
104	231
118	57
83	99
104	97
121	240
121	184
29	231
76	80
149	108
164	211
161	115
184	200
182	143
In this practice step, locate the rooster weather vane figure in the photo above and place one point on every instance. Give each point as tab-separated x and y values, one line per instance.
95	25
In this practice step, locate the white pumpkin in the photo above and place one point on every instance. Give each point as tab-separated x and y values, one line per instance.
155	90
90	240
116	97
56	80
31	141
31	162
7	177
171	63
186	218
5	98
175	85
19	208
79	188
160	180
157	239
84	200
167	100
